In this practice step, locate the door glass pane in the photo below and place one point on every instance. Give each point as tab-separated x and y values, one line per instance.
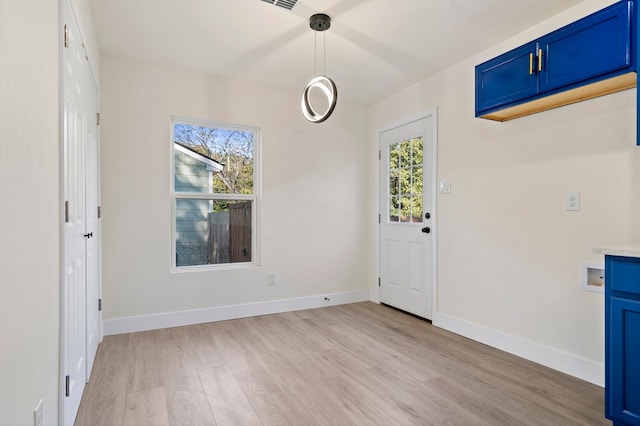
405	181
405	154
416	180
394	159
405	176
416	151
210	232
394	209
394	182
405	209
416	208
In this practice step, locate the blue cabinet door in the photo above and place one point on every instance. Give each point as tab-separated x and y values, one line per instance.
623	362
506	78
622	340
591	47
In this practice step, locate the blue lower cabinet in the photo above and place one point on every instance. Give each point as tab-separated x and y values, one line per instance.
622	346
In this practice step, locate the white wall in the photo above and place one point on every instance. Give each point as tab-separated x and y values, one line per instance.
29	210
508	253
314	186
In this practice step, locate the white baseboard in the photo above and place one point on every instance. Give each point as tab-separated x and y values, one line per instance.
222	313
584	369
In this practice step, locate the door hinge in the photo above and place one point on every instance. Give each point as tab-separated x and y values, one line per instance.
379	281
66	212
67	391
379	155
66	35
99	305
97	119
379	218
99	212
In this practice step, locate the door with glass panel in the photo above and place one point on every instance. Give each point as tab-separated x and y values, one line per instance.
406	219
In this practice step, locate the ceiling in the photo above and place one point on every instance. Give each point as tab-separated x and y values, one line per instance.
373	48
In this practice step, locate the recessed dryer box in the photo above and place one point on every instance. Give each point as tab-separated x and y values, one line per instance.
592	277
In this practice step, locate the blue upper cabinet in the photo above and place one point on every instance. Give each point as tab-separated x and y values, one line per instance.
505	78
588	58
594	46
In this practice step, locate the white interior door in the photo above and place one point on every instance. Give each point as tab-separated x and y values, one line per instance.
73	304
407	175
80	320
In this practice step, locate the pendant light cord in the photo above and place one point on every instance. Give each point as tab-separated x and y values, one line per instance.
315	53
324	53
324	47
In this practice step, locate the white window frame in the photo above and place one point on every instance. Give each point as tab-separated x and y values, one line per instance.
255	197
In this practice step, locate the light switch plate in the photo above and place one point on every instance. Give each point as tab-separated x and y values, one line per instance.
444	186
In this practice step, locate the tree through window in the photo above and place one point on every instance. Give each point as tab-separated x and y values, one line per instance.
214	175
405	181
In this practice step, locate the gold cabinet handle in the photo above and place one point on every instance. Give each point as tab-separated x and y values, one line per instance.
530	63
539	60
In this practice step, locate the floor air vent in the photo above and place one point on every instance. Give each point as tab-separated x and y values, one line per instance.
286	4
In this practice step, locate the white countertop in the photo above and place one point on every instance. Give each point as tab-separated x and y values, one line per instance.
629	250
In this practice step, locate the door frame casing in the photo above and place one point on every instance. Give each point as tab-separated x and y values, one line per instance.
433	113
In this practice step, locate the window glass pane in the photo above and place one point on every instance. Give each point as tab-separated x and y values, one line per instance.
213	160
210	232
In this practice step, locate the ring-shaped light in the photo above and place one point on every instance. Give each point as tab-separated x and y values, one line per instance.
328	87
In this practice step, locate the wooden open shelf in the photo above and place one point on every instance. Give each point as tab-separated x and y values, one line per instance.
590	91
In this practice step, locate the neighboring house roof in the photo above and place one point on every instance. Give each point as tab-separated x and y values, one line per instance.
212	165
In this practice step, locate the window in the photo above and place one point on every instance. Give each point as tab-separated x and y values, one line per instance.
214	194
405	181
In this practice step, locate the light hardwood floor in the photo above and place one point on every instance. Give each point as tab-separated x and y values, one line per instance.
359	364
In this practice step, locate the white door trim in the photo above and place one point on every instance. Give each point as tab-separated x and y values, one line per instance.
432	112
93	267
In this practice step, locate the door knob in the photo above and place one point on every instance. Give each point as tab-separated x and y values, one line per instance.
426	229
89	235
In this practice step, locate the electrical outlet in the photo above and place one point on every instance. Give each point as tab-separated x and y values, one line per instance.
38	415
572	202
271	278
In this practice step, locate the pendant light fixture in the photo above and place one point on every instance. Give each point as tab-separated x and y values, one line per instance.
319	23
